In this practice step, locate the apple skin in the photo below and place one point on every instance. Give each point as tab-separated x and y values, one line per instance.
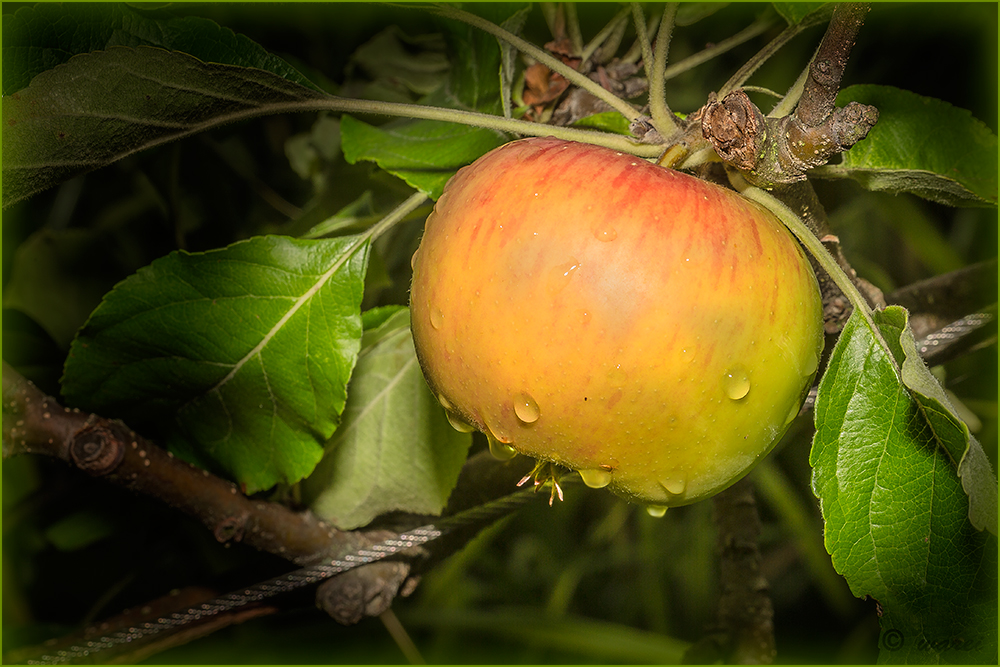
652	330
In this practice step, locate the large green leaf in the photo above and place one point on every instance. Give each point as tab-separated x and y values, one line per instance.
68	121
241	354
38	38
395	449
424	153
920	145
896	514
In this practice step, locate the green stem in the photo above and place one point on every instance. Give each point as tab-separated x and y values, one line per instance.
573	28
759	59
620	18
703	56
794	94
343	104
656	65
554	64
409	205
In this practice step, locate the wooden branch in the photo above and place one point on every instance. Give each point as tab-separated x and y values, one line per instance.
772	152
743	632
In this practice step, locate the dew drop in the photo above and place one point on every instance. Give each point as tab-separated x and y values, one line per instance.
445	403
413	259
526	408
437	317
596	478
559	279
500	450
606	233
793	412
617	376
459	424
656	511
812	363
736	382
674	486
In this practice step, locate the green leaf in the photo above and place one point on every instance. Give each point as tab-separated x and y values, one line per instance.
920	145
806	13
38	38
417	64
395	449
952	434
79	530
67	123
476	59
609	121
58	277
896	515
243	353
508	57
424	153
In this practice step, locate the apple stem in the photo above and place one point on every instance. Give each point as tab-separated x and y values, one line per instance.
397	214
616	142
706	54
655	64
614	29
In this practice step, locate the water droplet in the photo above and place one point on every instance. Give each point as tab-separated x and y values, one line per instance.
437	317
606	232
812	363
445	403
793	412
526	408
656	511
617	376
501	451
563	273
674	486
736	382
413	259
459	424
596	478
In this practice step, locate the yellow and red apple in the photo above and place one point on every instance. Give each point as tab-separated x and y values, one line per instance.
585	307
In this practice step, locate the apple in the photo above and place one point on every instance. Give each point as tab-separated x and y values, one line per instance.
588	308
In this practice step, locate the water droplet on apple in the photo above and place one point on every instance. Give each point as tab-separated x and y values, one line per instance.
617	376
736	382
459	424
437	317
674	486
526	408
596	478
793	412
501	451
445	403
812	363
656	511
413	259
563	273
606	232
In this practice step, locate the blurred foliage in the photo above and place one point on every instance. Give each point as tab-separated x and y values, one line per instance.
591	559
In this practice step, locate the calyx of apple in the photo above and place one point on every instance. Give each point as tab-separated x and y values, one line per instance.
585	307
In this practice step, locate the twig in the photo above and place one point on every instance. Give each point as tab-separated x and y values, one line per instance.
36	423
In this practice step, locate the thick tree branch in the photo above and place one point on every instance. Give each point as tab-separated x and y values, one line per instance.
744	631
777	151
